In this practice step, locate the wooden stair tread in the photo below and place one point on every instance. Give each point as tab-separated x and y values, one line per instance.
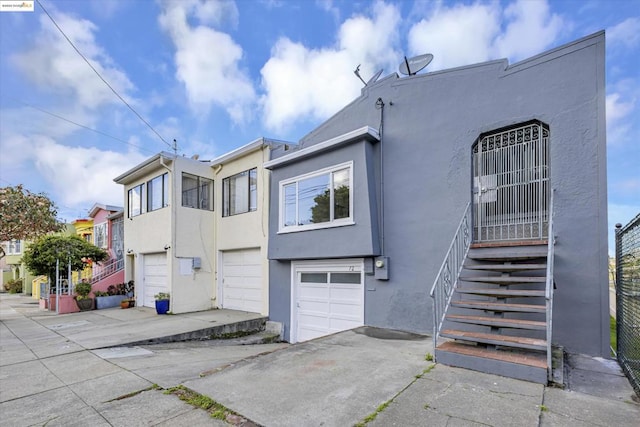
506	340
528	359
505	267
497	306
509	293
497	321
504	279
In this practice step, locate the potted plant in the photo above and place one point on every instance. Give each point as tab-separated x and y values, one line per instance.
162	302
83	289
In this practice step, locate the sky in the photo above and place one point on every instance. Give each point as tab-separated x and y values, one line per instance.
90	88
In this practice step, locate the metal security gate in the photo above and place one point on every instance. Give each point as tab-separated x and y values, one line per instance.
511	184
628	300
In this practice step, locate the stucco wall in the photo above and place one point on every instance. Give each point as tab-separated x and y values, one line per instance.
246	230
430	124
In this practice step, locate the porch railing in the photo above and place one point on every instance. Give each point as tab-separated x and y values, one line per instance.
107	269
548	294
447	279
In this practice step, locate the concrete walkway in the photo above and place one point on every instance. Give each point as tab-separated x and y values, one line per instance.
53	372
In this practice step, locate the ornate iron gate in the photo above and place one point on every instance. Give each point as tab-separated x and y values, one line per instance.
628	300
511	184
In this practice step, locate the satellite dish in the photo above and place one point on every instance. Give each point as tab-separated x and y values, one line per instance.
412	65
374	78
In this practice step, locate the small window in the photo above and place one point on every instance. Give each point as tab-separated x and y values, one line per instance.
100	233
317	200
135	201
240	193
15	247
158	192
197	192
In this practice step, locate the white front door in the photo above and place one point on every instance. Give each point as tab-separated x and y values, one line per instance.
327	297
242	280
154	277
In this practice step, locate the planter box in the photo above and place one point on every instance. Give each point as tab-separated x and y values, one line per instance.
109	302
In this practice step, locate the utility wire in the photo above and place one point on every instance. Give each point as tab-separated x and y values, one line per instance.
101	78
83	126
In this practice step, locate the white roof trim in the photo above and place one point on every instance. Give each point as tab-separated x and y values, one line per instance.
238	152
363	132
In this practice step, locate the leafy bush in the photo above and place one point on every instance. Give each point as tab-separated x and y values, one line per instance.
83	289
162	296
100	294
14	286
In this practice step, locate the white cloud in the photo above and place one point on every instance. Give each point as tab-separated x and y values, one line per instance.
467	34
304	83
625	34
531	28
53	65
208	61
82	176
456	36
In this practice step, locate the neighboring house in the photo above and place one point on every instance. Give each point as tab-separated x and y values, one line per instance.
14	268
108	234
198	229
363	214
84	230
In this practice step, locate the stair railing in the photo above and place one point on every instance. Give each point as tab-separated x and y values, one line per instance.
105	270
447	279
548	294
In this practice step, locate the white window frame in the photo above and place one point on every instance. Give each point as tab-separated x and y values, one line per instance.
14	247
332	222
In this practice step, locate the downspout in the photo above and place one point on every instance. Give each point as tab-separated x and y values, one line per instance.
174	207
214	300
380	106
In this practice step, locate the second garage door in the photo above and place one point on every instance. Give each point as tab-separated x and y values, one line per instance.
327	298
242	280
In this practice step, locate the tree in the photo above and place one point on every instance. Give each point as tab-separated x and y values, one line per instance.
320	212
40	257
25	215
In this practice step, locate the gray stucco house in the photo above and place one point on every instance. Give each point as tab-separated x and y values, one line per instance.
488	180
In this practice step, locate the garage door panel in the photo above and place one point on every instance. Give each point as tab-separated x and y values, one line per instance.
242	287
154	277
327	300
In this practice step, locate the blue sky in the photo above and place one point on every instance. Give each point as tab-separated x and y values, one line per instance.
217	75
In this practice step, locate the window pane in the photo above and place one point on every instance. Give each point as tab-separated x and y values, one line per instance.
253	189
289	205
239	191
346	278
189	190
225	197
135	201
165	190
341	192
206	194
154	194
313	277
313	200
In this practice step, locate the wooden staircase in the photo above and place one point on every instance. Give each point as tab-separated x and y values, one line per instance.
496	321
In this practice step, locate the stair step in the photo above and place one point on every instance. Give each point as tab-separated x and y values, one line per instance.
503	293
506	280
499	307
509	253
506	267
499	322
537	360
495	339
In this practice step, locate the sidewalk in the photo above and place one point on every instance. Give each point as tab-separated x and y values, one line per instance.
48	376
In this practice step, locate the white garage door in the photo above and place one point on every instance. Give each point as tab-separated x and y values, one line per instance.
155	277
327	298
242	280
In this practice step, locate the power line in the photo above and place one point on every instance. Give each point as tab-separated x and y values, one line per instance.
83	126
101	78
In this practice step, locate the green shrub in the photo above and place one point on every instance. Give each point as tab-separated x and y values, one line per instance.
83	289
14	286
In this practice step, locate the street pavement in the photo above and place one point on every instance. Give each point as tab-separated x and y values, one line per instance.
81	369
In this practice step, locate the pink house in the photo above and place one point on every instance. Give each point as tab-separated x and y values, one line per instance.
108	234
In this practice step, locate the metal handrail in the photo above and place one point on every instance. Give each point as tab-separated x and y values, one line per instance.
111	267
548	293
447	279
